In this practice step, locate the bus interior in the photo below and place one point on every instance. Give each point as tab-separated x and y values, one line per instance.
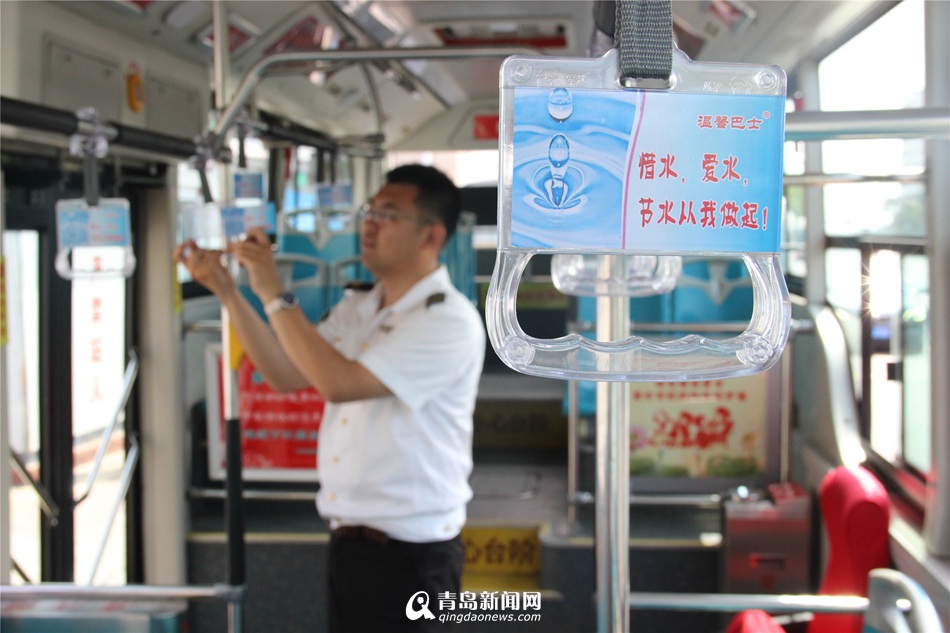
119	509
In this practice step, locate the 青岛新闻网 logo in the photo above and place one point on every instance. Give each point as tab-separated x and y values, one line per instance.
413	612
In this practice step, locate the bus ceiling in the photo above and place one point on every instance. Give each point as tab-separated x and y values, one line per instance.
346	94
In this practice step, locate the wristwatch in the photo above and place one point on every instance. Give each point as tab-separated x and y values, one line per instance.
283	301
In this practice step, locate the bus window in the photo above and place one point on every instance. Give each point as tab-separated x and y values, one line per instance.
915	333
21	259
875	223
465	168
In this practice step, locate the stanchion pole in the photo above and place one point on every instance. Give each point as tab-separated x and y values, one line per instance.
234	519
613	471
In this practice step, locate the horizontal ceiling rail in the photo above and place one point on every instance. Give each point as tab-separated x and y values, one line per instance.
43	118
261	68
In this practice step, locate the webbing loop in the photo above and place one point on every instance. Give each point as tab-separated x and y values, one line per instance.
644	35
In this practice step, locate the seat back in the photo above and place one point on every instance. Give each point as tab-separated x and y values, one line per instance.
855	511
753	621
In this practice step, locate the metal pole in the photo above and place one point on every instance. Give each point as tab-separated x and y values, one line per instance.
131	372
234	508
821	125
732	602
937	508
612	548
6	561
125	480
234	520
69	591
254	75
572	447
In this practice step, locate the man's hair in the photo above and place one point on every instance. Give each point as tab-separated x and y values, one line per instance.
438	197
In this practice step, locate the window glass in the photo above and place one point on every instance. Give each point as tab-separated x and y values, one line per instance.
793	231
915	331
843	284
465	168
874	208
884	304
22	349
863	61
889	207
886	198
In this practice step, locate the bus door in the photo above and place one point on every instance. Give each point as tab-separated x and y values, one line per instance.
66	351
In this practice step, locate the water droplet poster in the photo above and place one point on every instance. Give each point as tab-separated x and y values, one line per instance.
638	170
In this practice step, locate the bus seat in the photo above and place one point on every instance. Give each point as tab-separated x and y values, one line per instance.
753	621
856	513
712	290
458	255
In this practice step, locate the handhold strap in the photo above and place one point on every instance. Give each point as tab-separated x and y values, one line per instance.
644	34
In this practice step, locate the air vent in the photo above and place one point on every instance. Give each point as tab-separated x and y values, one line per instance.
548	34
240	33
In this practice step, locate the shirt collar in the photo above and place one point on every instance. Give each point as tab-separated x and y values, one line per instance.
436	281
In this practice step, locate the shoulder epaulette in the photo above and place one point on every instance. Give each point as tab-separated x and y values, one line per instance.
360	286
435	299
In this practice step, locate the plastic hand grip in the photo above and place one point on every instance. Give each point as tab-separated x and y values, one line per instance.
303	275
121	263
94	242
692	357
646	275
591	169
296	271
319	226
346	270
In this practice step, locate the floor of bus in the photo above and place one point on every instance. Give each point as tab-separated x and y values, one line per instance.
520	536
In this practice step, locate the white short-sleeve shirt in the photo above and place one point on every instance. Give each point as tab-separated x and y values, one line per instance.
401	463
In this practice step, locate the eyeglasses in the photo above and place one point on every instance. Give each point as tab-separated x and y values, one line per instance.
380	216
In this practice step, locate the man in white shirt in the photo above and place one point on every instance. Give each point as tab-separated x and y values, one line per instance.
399	366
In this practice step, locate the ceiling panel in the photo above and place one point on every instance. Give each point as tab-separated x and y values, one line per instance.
768	31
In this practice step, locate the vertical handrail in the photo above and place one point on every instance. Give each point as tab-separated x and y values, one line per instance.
131	372
612	525
572	448
234	520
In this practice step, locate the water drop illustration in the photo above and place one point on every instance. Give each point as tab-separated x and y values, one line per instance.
559	153
560	104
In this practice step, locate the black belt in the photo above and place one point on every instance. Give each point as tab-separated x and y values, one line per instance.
363	532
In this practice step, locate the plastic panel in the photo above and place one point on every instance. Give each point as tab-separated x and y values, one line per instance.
548	203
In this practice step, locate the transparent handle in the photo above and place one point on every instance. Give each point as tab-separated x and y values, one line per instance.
318	234
691	357
580	275
289	267
93	241
124	268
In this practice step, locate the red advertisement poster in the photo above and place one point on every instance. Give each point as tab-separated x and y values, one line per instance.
279	431
711	428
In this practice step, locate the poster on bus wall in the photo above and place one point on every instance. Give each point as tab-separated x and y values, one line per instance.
705	430
278	430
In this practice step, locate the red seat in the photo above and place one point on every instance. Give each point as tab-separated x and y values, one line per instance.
856	514
753	621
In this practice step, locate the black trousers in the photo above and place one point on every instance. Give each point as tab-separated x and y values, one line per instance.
372	584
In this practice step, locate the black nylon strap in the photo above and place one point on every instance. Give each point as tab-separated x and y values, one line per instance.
644	33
